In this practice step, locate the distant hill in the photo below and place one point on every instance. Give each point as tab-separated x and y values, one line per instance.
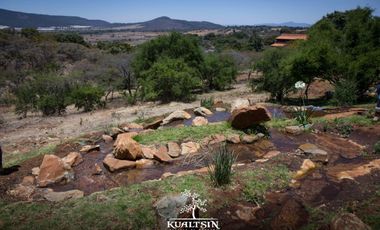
287	24
166	24
23	20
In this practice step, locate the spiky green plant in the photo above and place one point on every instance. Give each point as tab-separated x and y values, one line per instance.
220	167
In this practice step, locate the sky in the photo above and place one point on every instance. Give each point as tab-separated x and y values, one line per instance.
225	12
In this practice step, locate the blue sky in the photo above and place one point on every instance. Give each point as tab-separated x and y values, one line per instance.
226	12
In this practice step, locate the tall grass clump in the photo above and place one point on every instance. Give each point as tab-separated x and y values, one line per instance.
207	102
220	167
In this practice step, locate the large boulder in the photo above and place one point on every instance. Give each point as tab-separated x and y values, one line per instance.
113	164
155	124
73	159
202	111
243	118
239	103
169	207
313	150
189	148
176	115
125	148
148	152
173	149
348	221
52	196
162	154
53	169
199	121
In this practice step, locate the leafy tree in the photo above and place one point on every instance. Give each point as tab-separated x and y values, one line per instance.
173	46
351	47
169	79
87	97
345	93
275	80
219	71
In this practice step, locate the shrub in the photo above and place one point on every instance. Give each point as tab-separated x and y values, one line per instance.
207	102
87	97
47	93
169	79
376	147
345	93
219	71
256	129
220	169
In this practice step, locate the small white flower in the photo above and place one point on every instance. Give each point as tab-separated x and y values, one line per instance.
300	85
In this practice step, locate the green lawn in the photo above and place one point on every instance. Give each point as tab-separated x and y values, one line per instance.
188	132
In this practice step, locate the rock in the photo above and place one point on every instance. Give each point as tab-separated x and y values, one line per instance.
73	159
246	213
348	221
89	148
317	154
107	138
219	109
162	154
292	215
144	163
52	196
173	149
271	154
148	153
233	138
133	126
23	192
189	148
98	170
261	160
52	170
295	130
239	103
246	117
306	167
169	207
176	115
113	164
125	148
199	121
249	139
214	139
115	131
35	171
147	131
202	111
353	172
28	181
154	124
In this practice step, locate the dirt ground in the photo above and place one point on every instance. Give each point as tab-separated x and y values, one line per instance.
24	135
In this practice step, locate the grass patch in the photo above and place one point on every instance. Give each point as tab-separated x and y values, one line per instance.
220	169
257	182
121	208
188	132
131	207
352	120
17	158
281	123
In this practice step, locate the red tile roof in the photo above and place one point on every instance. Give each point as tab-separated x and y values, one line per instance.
278	44
292	37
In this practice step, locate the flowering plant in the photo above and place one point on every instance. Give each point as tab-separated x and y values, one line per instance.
301	113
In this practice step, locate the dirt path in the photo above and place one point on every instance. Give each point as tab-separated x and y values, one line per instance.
36	131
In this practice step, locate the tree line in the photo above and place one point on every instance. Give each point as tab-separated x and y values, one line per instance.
343	48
